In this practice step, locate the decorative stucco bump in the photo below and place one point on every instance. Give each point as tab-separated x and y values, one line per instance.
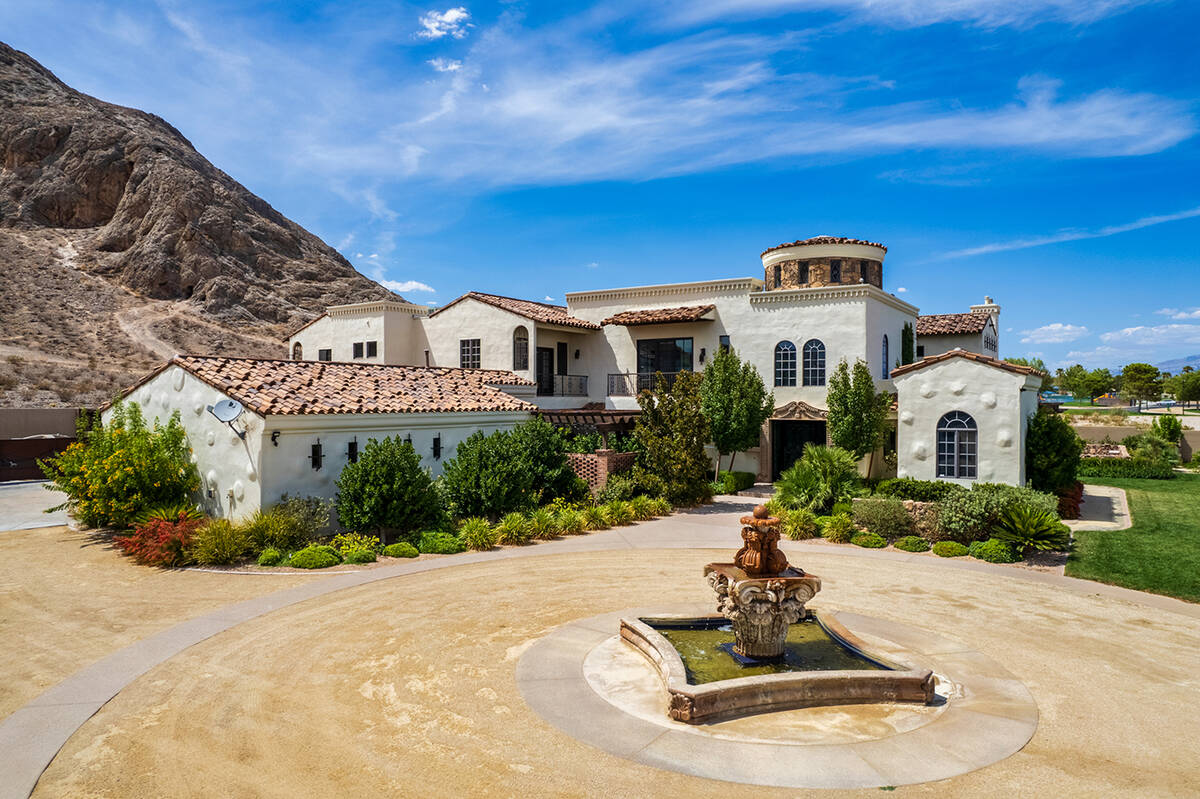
251	474
1004	437
958	387
988	398
907	417
211	438
919	452
198	407
927	390
178	382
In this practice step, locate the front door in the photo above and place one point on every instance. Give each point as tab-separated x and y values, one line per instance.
545	371
788	439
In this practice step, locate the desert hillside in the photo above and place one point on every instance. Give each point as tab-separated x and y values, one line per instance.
121	245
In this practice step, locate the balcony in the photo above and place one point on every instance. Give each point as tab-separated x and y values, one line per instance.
562	386
631	384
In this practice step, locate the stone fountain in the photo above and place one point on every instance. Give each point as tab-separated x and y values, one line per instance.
760	594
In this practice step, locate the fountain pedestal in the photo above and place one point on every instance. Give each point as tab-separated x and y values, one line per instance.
759	593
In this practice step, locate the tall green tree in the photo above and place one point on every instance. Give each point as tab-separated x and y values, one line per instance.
1073	380
1098	383
907	343
1141	382
857	413
1188	387
672	431
1052	450
1048	379
735	401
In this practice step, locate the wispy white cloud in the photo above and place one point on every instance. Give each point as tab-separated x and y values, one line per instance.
912	13
1153	335
548	298
402	286
452	22
901	290
1074	234
1055	333
1176	313
445	64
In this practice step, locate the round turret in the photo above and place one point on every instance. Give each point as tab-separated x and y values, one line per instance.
823	261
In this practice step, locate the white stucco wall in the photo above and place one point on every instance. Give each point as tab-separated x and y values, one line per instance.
1000	402
396	329
230	468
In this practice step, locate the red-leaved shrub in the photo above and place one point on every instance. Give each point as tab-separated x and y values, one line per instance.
158	542
1069	499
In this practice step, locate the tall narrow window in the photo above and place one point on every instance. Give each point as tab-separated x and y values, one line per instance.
862	271
723	342
814	363
357	349
803	272
778	276
297	351
785	364
835	271
520	349
468	353
887	370
957	446
372	349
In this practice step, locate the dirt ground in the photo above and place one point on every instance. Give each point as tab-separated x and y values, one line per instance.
406	687
68	599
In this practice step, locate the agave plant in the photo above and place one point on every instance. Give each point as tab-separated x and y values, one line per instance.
542	524
596	518
512	529
569	521
1026	528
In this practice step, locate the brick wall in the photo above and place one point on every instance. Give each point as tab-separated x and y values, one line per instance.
595	467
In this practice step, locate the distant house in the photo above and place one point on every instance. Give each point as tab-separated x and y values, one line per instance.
977	331
303	421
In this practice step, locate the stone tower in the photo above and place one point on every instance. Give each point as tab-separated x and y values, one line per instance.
823	261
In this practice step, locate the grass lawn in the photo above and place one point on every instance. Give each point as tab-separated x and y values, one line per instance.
1160	553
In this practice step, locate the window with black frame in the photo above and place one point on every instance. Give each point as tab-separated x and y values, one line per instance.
468	353
814	363
957	446
785	364
667	355
520	349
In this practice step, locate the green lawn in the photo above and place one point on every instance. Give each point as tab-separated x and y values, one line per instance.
1160	553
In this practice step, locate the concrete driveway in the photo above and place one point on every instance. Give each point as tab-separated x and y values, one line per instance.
22	506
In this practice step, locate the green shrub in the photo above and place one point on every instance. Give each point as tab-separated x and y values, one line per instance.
911	543
800	525
887	518
967	516
219	543
173	512
542	524
542	452
673	431
569	521
846	507
1168	428
642	507
387	493
1125	467
477	533
869	540
619	488
733	482
916	490
839	529
289	524
402	549
596	518
439	542
1026	529
821	477
1149	448
992	550
949	549
345	543
117	471
1052	451
488	476
619	513
270	557
315	557
513	529
360	556
661	506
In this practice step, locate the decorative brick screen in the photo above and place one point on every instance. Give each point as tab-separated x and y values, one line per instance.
594	468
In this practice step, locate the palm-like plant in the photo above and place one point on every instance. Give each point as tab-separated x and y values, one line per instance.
513	529
596	518
822	477
1032	529
542	525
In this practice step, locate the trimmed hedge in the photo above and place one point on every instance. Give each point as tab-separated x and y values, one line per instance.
401	550
885	517
437	542
1124	467
733	482
315	557
868	540
912	543
918	490
949	549
993	551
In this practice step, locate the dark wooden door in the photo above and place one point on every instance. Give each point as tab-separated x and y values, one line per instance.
788	440
545	371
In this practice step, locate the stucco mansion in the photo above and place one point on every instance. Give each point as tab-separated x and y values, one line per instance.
820	300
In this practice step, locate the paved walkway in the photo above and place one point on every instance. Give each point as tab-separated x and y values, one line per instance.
1103	508
22	506
33	735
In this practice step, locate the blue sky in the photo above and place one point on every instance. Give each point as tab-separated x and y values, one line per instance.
1040	151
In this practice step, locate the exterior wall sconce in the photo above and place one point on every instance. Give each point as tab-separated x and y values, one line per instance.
316	455
408	439
702	354
275	438
352	450
437	446
577	355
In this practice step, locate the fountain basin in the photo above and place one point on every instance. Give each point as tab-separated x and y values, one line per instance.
781	685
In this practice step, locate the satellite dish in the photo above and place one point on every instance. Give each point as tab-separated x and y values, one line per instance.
227	411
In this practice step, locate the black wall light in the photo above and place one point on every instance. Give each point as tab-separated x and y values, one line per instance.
317	455
437	446
275	438
702	354
577	355
352	450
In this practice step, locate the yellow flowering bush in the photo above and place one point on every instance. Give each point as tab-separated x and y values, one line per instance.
116	472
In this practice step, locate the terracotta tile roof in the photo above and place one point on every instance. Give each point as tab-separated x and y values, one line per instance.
970	356
536	311
823	240
659	316
271	387
951	324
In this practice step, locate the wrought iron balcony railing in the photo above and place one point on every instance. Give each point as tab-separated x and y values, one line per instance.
629	384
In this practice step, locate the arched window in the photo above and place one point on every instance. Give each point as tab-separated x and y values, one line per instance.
886	370
520	349
957	446
814	363
297	351
785	364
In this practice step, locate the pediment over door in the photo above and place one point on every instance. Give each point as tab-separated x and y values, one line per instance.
800	411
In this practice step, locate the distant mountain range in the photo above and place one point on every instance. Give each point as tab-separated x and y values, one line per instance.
1175	365
121	245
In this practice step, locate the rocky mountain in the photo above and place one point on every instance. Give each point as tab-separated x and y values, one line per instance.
120	245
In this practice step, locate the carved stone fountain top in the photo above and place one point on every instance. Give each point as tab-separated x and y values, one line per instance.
760	555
